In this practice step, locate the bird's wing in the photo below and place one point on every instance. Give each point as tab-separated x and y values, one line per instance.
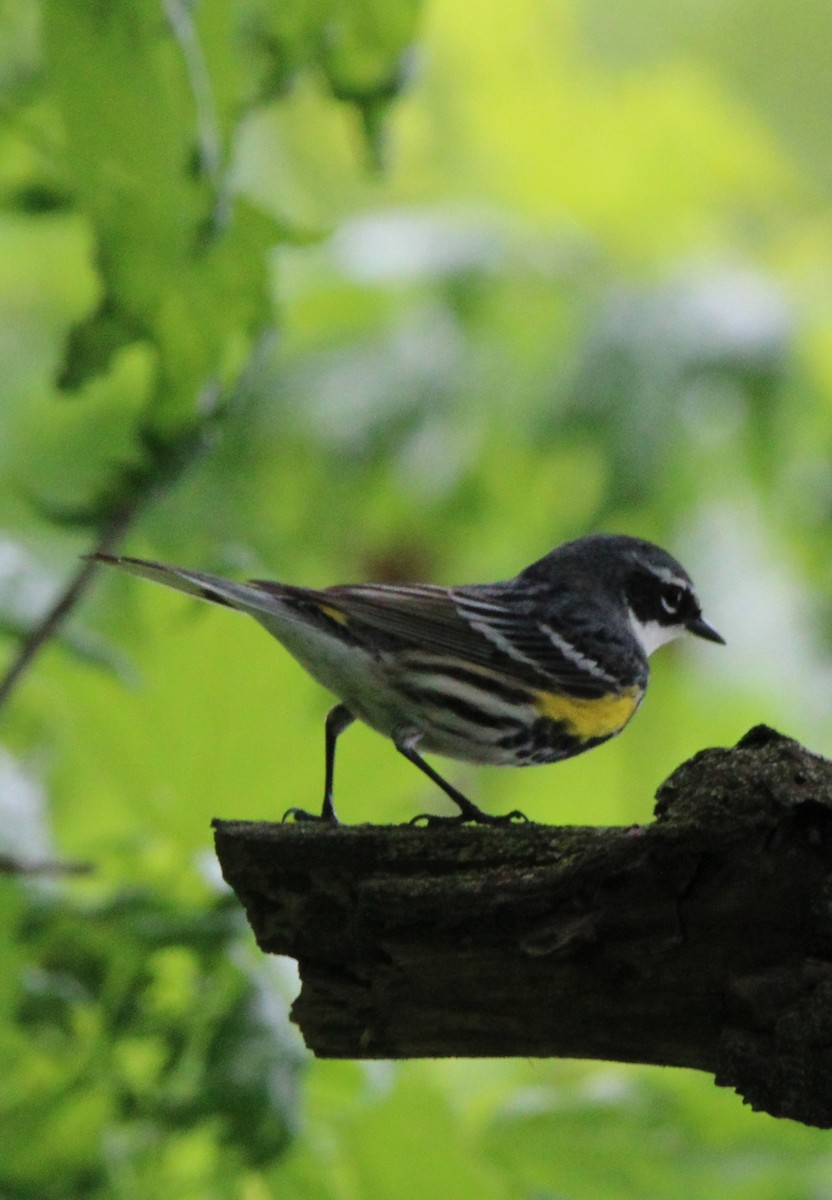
470	624
461	623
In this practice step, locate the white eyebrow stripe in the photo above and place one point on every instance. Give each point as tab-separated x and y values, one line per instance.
574	655
668	576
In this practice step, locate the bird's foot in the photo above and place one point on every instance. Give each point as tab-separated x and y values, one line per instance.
302	814
473	816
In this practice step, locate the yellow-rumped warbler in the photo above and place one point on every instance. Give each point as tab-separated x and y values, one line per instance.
530	670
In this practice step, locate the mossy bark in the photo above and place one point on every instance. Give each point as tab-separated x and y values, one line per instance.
701	940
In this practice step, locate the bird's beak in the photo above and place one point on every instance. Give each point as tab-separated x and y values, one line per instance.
702	629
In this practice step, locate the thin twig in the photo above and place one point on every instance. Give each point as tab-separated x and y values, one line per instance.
17	866
54	618
113	528
167	462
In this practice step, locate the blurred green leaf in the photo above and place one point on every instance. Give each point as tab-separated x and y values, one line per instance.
183	267
133	1013
397	1136
575	1137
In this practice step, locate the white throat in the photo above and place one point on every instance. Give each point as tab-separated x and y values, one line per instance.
651	634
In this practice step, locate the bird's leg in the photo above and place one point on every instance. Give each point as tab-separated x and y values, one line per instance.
338	719
406	743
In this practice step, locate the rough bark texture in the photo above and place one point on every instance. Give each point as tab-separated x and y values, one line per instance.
702	940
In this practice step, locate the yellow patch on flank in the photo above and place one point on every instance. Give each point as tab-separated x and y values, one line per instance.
334	613
585	718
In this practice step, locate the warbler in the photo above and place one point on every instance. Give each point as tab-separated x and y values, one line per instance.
531	670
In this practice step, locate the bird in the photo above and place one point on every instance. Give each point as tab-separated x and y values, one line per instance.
526	671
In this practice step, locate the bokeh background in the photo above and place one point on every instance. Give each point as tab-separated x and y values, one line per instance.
331	290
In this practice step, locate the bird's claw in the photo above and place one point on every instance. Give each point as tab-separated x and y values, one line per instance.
302	814
473	817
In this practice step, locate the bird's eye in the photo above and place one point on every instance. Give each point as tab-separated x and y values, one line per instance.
672	598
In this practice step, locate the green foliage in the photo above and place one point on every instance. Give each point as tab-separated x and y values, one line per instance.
134	1032
590	289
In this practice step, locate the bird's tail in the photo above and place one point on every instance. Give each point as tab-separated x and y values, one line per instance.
245	597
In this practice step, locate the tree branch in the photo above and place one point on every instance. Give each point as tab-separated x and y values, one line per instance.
112	514
702	940
9	865
52	620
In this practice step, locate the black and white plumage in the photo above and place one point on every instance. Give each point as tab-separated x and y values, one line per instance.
521	672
